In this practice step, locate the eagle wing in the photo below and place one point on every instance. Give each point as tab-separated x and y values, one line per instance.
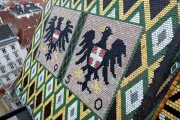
115	55
50	29
87	45
64	36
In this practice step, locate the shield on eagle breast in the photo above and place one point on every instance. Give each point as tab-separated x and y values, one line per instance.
96	56
56	35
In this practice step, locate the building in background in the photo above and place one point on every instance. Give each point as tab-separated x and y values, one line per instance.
21	18
2	8
11	56
24	16
25	10
4	1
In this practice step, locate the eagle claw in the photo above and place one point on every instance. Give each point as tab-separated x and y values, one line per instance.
106	83
84	86
76	63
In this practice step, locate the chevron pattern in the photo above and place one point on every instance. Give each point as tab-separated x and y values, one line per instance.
61	103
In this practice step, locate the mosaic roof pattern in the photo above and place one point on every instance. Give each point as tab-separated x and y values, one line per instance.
100	59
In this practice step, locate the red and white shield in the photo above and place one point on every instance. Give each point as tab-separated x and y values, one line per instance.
56	35
96	56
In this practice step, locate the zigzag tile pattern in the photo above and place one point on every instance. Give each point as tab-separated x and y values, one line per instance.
147	35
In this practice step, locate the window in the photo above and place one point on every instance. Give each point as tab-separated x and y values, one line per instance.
13	47
3	69
7	57
4	50
7	78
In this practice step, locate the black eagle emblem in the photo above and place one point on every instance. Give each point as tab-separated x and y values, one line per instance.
98	56
56	36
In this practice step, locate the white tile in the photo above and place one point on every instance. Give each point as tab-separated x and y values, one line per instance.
168	28
79	7
37	36
94	10
41	78
47	7
58	2
24	98
38	116
17	90
136	88
59	99
92	118
72	111
49	87
33	70
68	4
112	14
136	18
27	63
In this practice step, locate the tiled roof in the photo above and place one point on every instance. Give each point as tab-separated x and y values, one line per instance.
25	8
6	33
2	7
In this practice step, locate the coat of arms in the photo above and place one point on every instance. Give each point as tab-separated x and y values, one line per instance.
57	37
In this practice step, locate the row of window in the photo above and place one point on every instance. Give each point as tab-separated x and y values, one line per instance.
4	49
10	67
9	58
9	78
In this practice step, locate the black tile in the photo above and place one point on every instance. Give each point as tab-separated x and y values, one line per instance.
135	62
89	2
70	93
112	113
31	91
60	117
156	6
47	110
84	107
106	3
172	111
175	97
35	52
75	1
25	81
39	99
128	4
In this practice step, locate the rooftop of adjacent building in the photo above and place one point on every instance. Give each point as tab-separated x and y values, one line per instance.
25	25
25	8
6	34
